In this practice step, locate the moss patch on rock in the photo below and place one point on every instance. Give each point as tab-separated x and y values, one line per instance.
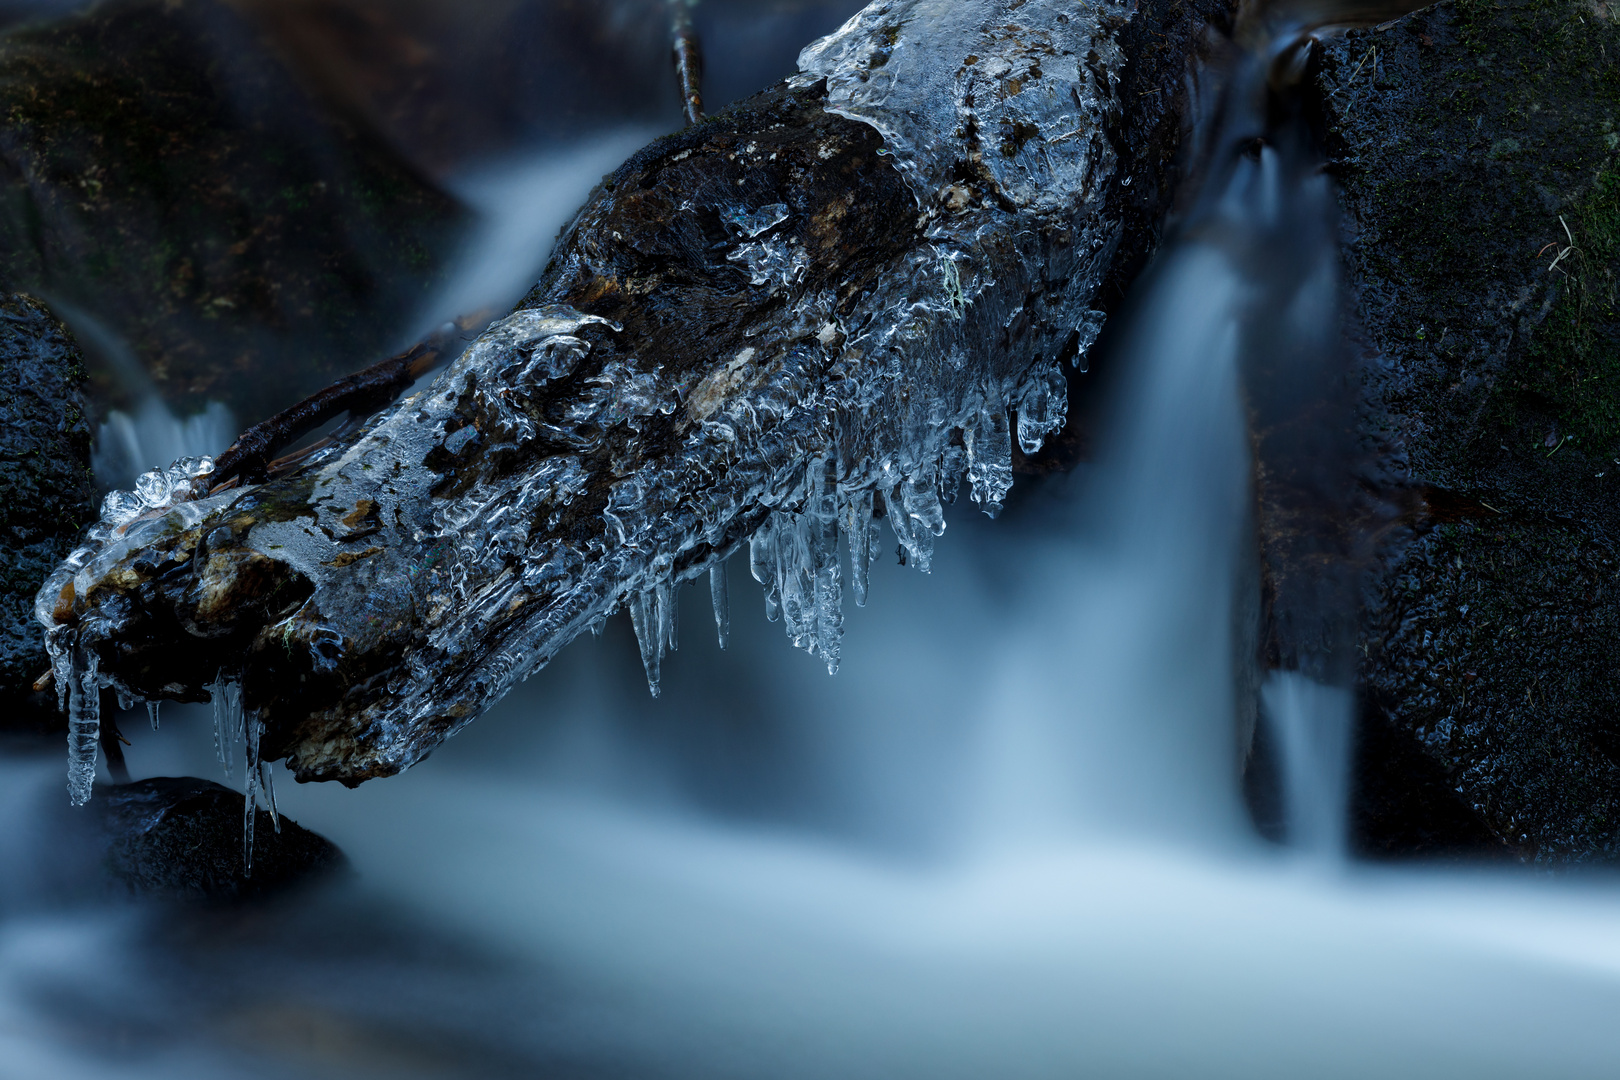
163	173
1476	147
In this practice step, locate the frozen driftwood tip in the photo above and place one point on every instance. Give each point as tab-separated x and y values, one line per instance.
748	335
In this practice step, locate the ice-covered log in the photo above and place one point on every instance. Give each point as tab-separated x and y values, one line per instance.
844	296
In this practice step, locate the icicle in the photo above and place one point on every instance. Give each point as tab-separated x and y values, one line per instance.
644	619
860	535
917	541
919	494
762	564
125	701
267	785
821	522
250	806
668	617
722	602
84	731
953	465
152	713
989	447
227	720
62	672
796	579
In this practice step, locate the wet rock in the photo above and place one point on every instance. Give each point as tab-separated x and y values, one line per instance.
48	493
171	185
1476	145
181	838
750	333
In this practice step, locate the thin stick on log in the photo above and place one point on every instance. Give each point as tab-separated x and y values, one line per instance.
688	55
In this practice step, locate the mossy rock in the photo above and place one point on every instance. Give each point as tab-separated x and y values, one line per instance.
1476	144
165	176
49	494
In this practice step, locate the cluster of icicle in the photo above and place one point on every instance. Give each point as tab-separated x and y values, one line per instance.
128	520
119	530
236	734
794	554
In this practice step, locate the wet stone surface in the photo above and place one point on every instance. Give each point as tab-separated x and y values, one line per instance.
1476	145
176	838
181	838
46	481
165	177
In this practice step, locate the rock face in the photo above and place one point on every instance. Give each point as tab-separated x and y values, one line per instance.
165	175
49	492
1476	146
165	838
181	838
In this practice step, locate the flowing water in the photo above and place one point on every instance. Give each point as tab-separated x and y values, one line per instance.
1005	840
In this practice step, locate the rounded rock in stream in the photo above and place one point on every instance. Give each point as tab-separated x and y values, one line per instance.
179	838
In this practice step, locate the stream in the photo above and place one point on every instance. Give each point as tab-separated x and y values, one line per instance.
1007	839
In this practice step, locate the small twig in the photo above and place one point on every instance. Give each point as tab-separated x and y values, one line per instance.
1559	447
360	394
1562	253
688	52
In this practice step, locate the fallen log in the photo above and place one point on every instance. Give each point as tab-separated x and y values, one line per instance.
830	304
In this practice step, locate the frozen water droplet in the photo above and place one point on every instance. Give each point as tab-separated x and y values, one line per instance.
1043	409
155	488
120	507
1091	324
722	602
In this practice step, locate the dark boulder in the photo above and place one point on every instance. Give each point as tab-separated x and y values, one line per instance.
1475	143
165	839
181	838
46	493
166	176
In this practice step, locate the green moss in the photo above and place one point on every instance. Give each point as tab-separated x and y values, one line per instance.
1575	355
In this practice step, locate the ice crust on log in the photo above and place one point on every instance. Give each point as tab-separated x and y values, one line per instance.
823	306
